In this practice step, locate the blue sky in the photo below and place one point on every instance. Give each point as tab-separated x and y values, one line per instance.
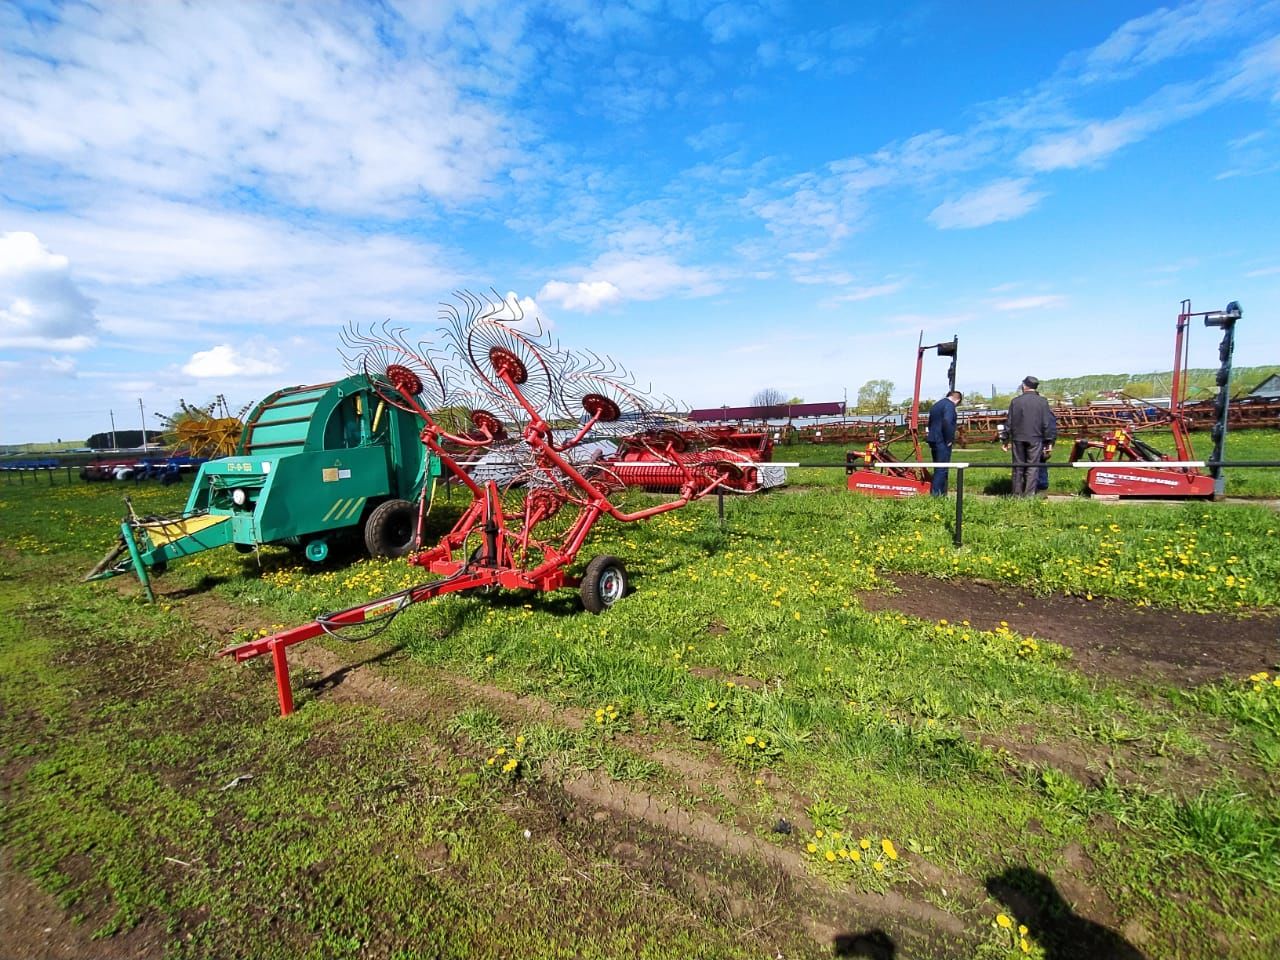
195	198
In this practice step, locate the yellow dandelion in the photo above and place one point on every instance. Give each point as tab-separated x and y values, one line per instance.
1022	929
856	856
811	847
831	857
889	849
879	865
1026	947
864	843
1004	921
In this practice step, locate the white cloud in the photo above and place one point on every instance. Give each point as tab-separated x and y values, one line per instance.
191	98
225	360
1167	32
168	272
810	214
651	276
858	294
1252	155
59	366
523	313
826	52
836	279
1042	302
717	136
1088	145
1001	200
1253	72
40	304
630	274
728	21
585	297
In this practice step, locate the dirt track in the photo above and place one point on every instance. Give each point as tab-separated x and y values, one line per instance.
1109	638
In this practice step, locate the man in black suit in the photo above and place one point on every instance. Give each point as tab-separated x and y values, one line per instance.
940	437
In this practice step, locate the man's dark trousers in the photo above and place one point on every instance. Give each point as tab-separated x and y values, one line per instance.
941	454
1026	459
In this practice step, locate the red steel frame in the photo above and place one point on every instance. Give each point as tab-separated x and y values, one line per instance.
505	547
1121	445
894	481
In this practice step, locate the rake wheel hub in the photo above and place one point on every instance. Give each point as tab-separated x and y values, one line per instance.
404	380
487	422
507	364
601	407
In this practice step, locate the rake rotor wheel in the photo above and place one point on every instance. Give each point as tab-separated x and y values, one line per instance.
489	336
384	354
210	431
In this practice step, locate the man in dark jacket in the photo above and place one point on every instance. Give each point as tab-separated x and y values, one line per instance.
1030	429
1042	479
940	437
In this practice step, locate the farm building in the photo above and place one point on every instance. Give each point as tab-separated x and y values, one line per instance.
1268	389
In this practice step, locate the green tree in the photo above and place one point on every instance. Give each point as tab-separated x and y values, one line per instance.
874	395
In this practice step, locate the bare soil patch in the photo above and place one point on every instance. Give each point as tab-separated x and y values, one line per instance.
36	928
1109	638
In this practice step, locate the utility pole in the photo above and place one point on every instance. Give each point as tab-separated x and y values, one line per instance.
143	414
113	430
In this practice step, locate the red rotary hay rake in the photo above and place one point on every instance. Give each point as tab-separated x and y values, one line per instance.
512	384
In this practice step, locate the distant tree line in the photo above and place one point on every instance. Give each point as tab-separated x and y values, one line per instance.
124	439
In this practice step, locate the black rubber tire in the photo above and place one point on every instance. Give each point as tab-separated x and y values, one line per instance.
604	583
390	528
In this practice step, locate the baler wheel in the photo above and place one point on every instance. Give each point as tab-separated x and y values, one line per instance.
603	584
390	528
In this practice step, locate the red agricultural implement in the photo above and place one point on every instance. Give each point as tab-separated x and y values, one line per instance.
888	480
1126	473
657	460
511	384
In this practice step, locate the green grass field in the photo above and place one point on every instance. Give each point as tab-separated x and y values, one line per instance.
1242	445
488	787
